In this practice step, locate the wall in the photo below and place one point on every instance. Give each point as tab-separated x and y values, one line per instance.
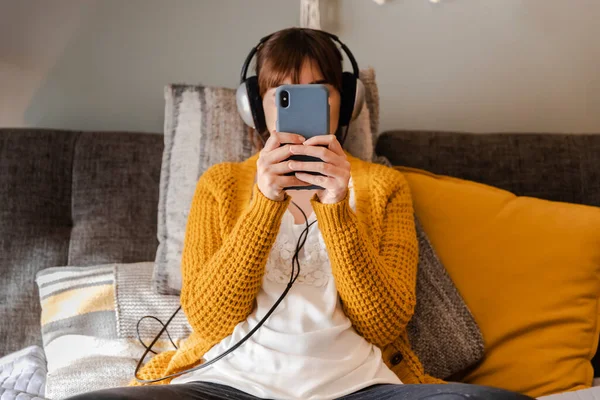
494	65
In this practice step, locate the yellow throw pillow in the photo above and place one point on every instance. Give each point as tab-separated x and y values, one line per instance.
529	270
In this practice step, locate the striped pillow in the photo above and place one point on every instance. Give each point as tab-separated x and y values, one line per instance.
77	301
88	322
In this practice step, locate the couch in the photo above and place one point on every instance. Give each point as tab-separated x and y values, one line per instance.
88	198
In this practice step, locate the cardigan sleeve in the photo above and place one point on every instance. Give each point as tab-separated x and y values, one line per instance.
376	284
221	276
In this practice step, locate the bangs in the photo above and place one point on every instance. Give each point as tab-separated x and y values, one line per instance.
284	54
275	71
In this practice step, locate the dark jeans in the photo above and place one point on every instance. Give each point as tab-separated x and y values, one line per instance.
214	391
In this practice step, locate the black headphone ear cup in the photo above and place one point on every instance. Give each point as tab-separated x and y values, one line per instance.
347	98
256	105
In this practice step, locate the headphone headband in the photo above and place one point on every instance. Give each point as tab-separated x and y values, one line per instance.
250	104
345	48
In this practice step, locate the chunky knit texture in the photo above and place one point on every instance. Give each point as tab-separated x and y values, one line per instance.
231	229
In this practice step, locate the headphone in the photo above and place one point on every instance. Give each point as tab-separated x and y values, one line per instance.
249	101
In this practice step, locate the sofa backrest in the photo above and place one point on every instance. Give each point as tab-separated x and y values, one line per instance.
560	167
70	198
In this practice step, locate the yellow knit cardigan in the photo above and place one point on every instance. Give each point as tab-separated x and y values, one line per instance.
231	229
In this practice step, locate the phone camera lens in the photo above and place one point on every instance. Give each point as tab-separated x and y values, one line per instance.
284	97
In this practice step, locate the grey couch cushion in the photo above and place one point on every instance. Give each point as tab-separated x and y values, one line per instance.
70	198
442	332
114	197
35	225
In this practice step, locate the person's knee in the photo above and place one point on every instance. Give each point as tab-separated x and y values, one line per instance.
99	395
447	396
461	391
124	393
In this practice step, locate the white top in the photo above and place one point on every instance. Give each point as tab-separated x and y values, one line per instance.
307	349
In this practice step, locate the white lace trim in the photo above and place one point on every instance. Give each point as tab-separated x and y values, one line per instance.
315	268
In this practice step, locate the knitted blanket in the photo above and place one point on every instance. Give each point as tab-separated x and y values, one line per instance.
23	374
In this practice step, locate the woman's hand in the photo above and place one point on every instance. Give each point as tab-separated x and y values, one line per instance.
335	166
270	169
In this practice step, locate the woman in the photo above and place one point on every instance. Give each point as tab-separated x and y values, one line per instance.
340	332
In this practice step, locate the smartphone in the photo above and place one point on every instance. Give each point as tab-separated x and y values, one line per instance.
303	109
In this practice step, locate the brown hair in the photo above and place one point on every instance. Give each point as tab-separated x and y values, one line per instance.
283	55
285	51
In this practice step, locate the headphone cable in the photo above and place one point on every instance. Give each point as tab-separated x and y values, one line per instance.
294	275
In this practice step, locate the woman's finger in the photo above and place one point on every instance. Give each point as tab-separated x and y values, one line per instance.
323	153
328	140
276	139
280	168
287	181
326	182
275	156
316	166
